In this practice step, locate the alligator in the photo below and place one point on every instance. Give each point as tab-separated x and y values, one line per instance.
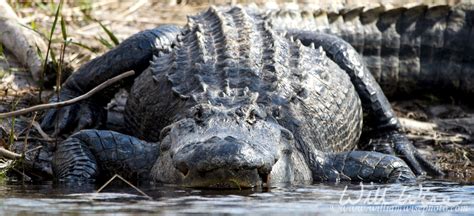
243	98
418	49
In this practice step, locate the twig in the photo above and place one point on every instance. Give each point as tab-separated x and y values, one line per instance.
458	138
9	154
28	129
4	164
12	156
41	132
415	125
33	149
466	123
25	177
67	102
124	180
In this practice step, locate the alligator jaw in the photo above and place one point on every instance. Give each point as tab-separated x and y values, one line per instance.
226	179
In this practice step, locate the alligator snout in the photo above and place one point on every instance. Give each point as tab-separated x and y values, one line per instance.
220	149
224	162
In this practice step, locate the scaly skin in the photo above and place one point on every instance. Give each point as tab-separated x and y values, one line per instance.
236	104
380	116
408	50
134	156
132	54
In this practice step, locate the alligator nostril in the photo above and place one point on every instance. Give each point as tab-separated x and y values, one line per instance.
183	168
264	177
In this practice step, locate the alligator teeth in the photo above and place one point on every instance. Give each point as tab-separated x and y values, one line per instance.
298	43
320	49
155	58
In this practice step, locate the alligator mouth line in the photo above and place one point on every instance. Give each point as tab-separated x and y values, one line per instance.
227	179
264	178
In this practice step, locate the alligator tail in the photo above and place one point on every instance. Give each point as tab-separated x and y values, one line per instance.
408	50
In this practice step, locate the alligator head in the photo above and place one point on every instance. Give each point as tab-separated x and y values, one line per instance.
218	147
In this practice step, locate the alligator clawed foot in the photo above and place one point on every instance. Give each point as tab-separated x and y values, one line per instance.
398	144
72	118
420	165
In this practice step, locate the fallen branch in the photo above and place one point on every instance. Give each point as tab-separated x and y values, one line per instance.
124	180
457	138
33	149
67	102
9	154
41	132
25	177
5	153
466	123
414	125
25	44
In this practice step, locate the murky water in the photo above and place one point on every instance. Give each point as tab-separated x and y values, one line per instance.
424	198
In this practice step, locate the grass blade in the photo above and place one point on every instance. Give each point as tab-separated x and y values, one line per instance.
45	64
84	46
11	137
104	42
109	33
63	29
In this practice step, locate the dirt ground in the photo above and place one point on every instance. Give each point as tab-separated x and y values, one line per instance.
442	129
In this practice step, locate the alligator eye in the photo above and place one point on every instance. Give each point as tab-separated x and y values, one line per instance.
287	134
165	131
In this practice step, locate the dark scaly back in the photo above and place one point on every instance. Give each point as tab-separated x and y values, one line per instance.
231	58
412	49
224	55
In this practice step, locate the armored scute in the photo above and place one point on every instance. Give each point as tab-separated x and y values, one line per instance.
240	98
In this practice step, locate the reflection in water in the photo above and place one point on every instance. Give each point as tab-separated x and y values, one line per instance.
432	197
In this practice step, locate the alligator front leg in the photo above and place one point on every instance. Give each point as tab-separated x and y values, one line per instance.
365	166
380	116
135	53
95	154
